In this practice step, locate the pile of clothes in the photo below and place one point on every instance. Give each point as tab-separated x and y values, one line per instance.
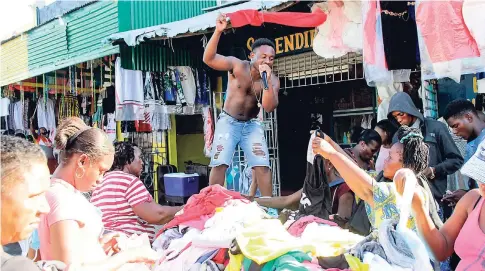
221	230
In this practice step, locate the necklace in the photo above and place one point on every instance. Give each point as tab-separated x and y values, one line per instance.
252	88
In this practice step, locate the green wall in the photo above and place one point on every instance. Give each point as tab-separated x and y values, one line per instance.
190	147
141	14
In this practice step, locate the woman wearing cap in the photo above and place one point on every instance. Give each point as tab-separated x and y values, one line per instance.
464	231
72	231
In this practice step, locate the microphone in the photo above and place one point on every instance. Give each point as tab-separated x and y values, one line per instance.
264	76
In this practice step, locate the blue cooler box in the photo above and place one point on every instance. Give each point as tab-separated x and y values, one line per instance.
181	184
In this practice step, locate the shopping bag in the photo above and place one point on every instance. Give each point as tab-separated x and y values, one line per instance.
422	259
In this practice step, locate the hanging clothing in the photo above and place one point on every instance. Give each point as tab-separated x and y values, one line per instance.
375	66
429	95
10	117
473	16
177	85
148	90
208	130
385	93
109	102
5	103
18	116
447	48
161	119
257	18
399	35
342	32
26	116
68	107
205	87
110	127
46	116
157	79
187	81
129	93
169	94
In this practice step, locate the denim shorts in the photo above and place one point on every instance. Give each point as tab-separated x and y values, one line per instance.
249	135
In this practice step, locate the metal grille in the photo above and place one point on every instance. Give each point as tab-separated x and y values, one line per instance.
154	149
308	69
271	135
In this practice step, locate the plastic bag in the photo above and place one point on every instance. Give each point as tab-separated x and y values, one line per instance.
447	48
417	247
375	67
342	32
473	15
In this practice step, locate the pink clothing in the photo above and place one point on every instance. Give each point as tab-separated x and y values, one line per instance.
67	203
297	228
470	242
383	155
444	31
203	204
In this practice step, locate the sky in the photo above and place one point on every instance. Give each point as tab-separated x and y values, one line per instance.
17	16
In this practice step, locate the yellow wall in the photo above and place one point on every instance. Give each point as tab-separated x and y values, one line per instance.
190	148
14	60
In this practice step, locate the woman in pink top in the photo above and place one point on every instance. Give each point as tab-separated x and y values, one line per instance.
72	232
464	231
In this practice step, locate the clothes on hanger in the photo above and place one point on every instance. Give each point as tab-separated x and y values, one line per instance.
187	83
342	32
447	48
177	84
399	35
429	95
46	116
129	93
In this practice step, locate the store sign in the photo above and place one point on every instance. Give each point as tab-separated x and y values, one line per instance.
302	41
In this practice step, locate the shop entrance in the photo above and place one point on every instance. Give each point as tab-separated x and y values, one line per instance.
329	94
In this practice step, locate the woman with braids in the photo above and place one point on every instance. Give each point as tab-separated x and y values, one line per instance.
123	199
72	231
380	194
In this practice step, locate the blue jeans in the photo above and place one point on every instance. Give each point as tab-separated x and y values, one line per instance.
248	134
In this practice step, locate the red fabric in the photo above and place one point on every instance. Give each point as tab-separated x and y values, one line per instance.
203	204
295	19
221	256
297	228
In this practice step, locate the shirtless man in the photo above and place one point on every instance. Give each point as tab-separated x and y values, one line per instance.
238	122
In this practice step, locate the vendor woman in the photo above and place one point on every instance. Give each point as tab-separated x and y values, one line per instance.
124	201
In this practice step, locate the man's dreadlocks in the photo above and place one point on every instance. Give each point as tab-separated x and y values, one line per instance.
124	155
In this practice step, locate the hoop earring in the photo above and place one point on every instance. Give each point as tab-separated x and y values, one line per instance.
77	176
